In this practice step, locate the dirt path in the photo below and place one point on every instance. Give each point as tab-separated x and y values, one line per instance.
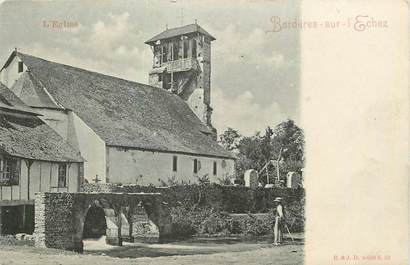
283	255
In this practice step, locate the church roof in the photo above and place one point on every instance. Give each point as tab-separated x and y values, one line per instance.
124	113
22	134
173	32
28	89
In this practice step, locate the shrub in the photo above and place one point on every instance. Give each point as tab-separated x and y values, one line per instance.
199	209
258	227
181	225
295	215
225	180
215	223
251	225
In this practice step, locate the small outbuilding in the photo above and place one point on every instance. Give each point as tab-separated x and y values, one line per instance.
33	158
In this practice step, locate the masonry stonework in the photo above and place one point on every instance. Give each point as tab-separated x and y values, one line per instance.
53	220
182	65
59	217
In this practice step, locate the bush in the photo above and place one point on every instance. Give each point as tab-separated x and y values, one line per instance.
258	227
232	199
215	224
295	215
187	222
252	225
181	225
201	209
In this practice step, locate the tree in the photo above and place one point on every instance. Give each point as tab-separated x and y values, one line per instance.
288	144
230	139
285	143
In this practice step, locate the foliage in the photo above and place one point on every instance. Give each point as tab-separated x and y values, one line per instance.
171	181
208	208
215	223
208	217
231	199
289	140
230	139
295	215
258	227
204	179
284	143
226	180
181	225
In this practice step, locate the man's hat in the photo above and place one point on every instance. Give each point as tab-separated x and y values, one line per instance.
278	199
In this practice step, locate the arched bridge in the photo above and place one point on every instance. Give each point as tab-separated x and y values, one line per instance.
60	217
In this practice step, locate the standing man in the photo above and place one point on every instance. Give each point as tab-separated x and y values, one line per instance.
279	219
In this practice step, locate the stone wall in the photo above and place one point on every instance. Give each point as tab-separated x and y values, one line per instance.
53	220
59	217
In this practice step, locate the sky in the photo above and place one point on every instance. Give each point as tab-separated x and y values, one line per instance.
255	72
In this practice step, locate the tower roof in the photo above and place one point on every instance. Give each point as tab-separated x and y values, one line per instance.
173	32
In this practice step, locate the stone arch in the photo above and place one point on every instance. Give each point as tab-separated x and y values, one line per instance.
160	215
142	226
95	223
110	215
60	217
111	220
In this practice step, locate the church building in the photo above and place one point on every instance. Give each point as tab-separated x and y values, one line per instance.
129	132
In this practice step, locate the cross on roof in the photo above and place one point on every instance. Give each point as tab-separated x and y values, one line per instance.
96	180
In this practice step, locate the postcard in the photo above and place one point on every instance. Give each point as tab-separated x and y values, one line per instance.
204	132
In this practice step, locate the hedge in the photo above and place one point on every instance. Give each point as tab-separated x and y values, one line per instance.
230	199
220	210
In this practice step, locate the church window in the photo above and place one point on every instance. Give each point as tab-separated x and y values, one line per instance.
62	175
215	168
20	67
195	166
174	163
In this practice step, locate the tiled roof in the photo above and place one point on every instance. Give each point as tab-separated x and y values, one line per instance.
24	135
31	138
9	101
125	113
32	92
173	32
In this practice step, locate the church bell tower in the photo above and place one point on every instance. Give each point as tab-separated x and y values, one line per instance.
182	65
